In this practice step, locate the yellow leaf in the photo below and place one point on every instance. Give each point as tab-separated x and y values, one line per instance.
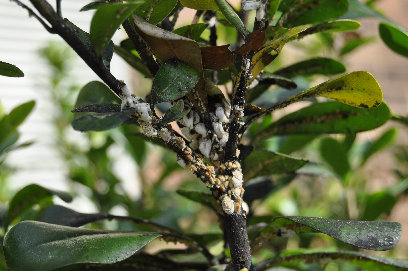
358	89
271	49
200	4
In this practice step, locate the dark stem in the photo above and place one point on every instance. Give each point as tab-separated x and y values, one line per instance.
237	236
32	13
140	47
58	4
71	37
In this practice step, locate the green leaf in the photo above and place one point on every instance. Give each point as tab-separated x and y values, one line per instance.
381	143
200	4
192	31
395	38
107	20
263	163
154	11
334	26
176	112
358	9
95	92
295	142
328	118
232	17
10	70
37	246
27	197
318	65
357	89
363	260
260	189
266	81
132	60
200	197
63	216
298	12
377	204
101	121
335	155
373	235
85	38
20	113
355	43
173	81
94	5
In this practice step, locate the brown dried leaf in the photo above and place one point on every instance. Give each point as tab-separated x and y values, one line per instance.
216	57
255	40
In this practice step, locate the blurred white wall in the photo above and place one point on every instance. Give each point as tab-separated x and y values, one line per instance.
20	39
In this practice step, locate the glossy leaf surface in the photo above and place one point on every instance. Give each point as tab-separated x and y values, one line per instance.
32	245
173	81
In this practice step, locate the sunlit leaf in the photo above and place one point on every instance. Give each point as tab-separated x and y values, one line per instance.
317	65
18	114
263	163
32	245
10	70
328	118
297	12
357	89
27	197
154	11
200	4
107	20
232	17
334	26
395	38
270	50
173	81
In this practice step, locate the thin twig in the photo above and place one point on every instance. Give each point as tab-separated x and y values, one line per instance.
70	35
58	4
32	13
